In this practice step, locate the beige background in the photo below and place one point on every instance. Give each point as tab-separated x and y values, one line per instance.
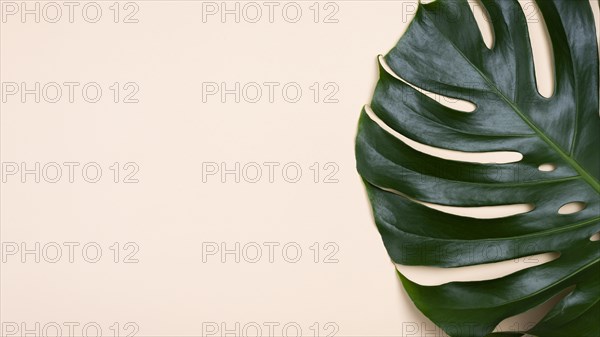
170	212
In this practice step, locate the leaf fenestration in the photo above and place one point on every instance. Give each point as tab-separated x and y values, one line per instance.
443	52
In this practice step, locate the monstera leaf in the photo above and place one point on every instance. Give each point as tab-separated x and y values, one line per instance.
443	52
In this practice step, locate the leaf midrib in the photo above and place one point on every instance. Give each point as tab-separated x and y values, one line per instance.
582	172
571	161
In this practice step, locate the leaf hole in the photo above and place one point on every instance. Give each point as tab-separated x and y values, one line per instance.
541	46
572	207
484	22
595	237
434	276
547	167
497	157
528	319
449	102
483	212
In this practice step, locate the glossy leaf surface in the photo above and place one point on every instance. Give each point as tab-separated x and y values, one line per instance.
443	52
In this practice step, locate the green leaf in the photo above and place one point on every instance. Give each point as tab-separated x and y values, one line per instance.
443	52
